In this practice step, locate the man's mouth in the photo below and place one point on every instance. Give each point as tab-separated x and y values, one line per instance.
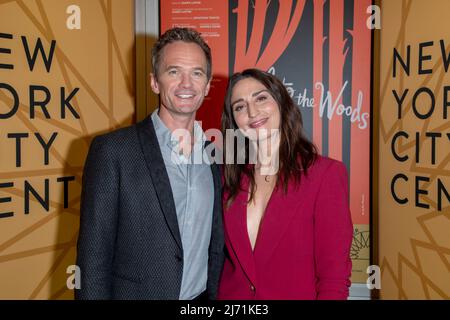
185	96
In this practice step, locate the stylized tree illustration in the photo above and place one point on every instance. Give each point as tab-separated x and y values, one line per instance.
252	55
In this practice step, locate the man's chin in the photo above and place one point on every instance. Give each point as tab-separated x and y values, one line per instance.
187	108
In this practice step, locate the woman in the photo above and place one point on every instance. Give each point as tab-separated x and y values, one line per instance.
287	221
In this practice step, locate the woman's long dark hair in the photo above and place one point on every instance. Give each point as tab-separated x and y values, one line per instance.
296	153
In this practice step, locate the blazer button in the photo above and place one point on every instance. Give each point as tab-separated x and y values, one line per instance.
178	257
252	287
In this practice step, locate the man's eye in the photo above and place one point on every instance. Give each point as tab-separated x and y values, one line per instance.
173	72
198	73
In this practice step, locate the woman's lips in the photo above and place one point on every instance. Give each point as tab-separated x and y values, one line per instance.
259	123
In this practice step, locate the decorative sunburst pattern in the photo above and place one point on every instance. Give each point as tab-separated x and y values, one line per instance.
414	243
360	252
37	248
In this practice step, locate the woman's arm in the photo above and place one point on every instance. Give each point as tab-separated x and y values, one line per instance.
333	233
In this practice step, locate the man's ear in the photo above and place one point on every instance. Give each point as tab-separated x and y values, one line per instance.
154	83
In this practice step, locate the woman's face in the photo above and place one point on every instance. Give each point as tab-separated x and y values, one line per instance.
255	111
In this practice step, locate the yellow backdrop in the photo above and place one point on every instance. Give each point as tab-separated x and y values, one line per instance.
94	52
414	241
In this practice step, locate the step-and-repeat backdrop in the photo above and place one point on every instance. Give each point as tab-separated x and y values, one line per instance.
66	75
414	138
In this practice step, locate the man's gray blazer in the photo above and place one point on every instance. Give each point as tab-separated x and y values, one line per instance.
129	245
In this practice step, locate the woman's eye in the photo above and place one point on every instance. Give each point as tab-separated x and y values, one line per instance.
238	108
261	98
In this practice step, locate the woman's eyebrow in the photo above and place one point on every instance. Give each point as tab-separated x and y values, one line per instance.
258	92
238	100
254	94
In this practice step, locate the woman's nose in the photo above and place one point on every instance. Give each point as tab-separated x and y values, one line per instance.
252	110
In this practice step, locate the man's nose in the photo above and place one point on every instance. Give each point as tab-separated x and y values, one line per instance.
186	81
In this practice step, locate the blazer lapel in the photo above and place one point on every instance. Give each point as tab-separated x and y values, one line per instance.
158	172
217	237
279	213
236	228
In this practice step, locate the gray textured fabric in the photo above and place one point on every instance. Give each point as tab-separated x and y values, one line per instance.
129	244
193	191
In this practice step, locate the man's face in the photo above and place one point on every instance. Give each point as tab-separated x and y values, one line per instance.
182	82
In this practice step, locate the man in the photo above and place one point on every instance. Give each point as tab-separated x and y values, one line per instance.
151	223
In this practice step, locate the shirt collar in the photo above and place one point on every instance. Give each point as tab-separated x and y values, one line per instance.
165	135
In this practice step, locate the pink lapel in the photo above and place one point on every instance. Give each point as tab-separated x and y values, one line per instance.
236	228
280	211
